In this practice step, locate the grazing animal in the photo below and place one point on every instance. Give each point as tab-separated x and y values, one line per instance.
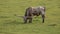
34	11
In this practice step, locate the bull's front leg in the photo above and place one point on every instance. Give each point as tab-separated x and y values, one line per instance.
25	19
30	20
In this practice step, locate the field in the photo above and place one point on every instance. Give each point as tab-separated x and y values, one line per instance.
11	24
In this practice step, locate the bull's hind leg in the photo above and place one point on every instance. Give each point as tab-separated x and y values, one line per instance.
43	17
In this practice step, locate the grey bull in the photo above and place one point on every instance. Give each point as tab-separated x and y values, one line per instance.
34	11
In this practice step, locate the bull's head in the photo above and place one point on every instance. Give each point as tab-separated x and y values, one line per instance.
24	18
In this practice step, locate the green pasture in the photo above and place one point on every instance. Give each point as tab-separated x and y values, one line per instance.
11	24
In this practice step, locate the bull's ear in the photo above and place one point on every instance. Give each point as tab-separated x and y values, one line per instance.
18	16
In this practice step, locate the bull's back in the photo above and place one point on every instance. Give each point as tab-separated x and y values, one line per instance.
35	11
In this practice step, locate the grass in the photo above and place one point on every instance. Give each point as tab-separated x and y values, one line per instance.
11	24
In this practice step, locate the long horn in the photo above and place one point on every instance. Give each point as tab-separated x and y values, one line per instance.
19	16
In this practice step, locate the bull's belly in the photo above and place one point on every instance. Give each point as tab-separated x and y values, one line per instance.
36	14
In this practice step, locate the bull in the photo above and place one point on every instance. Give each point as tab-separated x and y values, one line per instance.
34	11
